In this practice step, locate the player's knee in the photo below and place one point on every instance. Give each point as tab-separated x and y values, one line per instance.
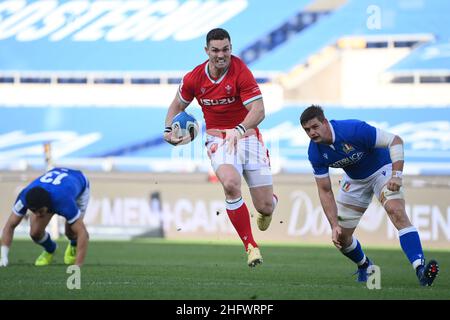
231	186
264	207
36	235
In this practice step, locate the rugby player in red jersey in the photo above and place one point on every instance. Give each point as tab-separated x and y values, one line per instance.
232	106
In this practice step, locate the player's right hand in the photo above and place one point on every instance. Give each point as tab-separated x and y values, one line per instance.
336	235
394	184
231	139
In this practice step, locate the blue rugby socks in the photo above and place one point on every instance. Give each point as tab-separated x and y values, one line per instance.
410	243
355	253
47	242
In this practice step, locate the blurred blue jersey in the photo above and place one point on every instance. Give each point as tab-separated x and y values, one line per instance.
65	187
353	150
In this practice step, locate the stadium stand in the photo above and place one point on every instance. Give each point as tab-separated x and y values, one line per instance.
130	139
48	39
402	23
99	92
428	64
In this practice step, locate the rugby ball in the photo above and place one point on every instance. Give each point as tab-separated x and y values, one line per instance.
186	125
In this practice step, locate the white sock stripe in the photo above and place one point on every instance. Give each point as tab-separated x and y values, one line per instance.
234	204
363	260
233	201
274	202
44	238
416	263
406	230
350	247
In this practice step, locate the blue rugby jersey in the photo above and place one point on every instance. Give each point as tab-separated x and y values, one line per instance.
353	150
64	186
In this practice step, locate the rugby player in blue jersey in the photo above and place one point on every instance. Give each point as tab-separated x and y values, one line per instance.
373	163
60	191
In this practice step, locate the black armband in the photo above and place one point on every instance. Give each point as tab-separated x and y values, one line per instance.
168	129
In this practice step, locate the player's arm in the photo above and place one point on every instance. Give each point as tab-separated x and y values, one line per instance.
7	237
328	203
175	107
79	229
254	117
256	114
396	151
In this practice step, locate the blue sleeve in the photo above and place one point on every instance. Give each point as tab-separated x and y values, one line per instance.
319	168
19	207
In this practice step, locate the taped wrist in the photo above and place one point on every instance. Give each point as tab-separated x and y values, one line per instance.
397	174
241	129
4	252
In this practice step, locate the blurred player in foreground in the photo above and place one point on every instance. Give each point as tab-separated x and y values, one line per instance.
60	191
233	107
373	163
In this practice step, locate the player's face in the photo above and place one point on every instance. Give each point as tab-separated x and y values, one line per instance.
219	53
318	131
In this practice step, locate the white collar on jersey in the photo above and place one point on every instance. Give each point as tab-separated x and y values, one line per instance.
211	79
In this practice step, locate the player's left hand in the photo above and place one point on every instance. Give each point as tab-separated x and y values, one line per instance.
394	184
4	261
4	256
232	136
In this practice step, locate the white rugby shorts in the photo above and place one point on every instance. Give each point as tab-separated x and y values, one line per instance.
251	158
359	192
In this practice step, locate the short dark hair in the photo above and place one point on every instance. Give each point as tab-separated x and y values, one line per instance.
312	112
217	34
38	198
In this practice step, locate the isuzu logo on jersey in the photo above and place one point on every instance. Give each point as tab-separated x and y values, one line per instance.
215	102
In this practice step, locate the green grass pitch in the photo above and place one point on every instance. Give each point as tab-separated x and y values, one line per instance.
174	270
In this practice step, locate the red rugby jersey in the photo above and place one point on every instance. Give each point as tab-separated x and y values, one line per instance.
222	100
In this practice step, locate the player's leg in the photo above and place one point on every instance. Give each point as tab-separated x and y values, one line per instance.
264	200
349	217
237	210
352	201
258	176
38	223
71	250
228	169
70	255
409	237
